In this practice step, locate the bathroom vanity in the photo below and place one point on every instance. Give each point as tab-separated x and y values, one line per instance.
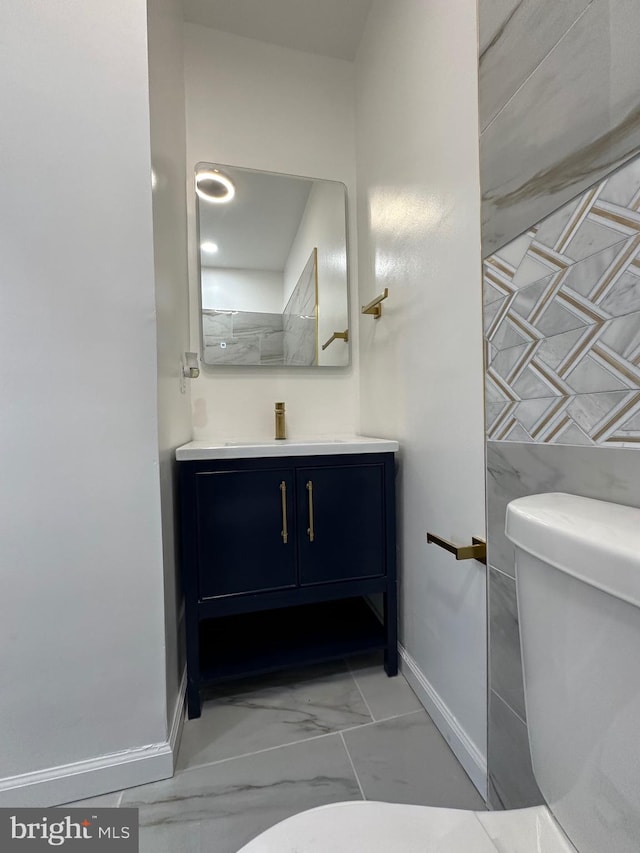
283	544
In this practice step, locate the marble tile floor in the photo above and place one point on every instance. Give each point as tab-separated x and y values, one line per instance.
269	747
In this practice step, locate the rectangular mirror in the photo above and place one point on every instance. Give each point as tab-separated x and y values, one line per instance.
273	268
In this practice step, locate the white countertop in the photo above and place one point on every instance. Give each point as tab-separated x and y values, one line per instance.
195	450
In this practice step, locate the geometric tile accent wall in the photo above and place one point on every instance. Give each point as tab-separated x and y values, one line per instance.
562	323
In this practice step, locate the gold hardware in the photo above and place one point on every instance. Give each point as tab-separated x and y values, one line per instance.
281	431
284	532
375	308
337	336
310	530
477	551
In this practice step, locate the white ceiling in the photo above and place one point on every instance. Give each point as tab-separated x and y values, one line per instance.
256	229
328	27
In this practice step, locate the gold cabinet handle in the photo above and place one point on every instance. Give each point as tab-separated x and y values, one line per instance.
477	551
310	530
283	493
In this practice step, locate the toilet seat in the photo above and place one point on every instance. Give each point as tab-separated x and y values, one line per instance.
370	827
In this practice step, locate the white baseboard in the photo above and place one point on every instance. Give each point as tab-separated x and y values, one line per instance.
95	776
465	750
177	724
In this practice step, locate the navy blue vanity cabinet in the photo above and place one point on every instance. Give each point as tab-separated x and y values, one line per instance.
281	559
341	523
243	541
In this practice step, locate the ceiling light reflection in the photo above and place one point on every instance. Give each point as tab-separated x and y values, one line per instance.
214	187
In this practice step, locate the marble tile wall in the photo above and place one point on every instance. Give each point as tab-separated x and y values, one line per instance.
300	340
300	319
559	104
562	349
242	337
515	470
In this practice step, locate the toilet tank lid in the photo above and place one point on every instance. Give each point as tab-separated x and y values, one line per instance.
595	541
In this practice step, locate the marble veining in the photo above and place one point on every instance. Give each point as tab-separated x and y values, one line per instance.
272	348
300	342
559	111
529	27
245	350
222	805
602	418
242	337
517	469
227	804
566	119
267	712
255	323
505	667
218	324
391	757
512	783
561	319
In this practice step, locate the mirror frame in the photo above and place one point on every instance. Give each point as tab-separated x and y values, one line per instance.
312	368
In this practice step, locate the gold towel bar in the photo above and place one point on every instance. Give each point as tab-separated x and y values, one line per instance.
375	308
337	336
477	551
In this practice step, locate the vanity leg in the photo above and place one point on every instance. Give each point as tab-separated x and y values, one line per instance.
390	612
194	706
193	662
390	596
188	549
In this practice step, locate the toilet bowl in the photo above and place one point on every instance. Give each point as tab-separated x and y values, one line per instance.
578	589
370	827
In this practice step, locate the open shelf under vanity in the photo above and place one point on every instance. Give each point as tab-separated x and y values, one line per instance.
252	643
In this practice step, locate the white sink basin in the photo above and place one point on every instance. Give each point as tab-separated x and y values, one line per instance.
196	450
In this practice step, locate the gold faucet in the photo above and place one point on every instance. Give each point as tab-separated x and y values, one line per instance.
281	431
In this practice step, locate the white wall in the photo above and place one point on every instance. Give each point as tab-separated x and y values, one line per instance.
241	290
266	107
421	363
166	104
82	651
323	226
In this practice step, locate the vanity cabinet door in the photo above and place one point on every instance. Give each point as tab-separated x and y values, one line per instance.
341	522
245	538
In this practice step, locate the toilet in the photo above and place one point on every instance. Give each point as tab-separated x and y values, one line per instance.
578	589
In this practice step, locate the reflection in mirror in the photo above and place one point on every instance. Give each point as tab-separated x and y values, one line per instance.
273	268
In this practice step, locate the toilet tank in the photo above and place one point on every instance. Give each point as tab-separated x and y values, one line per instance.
578	589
